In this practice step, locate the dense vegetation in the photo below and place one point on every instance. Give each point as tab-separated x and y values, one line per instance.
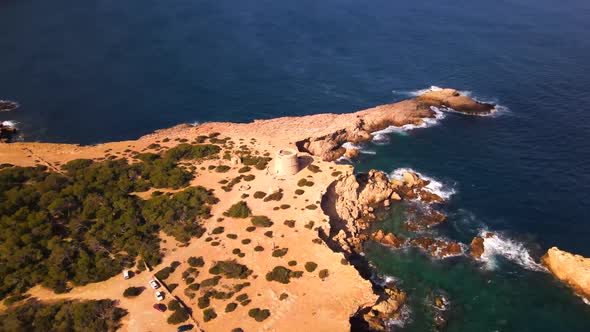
84	225
72	316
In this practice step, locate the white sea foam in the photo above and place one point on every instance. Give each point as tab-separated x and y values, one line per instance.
9	123
516	252
435	186
405	317
195	123
361	148
380	136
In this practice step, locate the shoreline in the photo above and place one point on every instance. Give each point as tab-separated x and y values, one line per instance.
319	140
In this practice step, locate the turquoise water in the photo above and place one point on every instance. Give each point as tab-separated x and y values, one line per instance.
95	71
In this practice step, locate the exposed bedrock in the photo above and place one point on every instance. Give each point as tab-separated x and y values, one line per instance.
6	133
573	270
414	111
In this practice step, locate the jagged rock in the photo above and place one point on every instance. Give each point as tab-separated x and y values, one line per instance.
437	248
477	247
6	132
453	99
388	239
573	270
351	153
410	179
386	202
395	183
424	220
430	197
395	196
386	309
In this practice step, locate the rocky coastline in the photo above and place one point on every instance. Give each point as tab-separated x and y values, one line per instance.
350	201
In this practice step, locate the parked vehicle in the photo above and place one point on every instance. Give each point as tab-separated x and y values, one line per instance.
160	295
160	307
183	328
126	274
154	284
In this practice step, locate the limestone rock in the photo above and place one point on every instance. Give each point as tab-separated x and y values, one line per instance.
453	99
351	153
573	270
477	247
386	309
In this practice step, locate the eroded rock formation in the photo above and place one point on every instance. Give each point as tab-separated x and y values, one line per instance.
573	270
386	309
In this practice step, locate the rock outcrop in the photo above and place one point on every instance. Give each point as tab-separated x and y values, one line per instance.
6	133
477	247
386	309
8	105
454	99
573	270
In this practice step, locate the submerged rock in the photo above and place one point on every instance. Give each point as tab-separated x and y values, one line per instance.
573	270
8	105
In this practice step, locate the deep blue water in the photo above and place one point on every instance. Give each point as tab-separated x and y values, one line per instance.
95	71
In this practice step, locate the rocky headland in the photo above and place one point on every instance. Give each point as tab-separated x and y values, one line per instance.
571	269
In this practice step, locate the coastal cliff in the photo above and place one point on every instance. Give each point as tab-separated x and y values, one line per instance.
571	269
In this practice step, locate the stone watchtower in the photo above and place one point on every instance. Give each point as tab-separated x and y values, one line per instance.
286	162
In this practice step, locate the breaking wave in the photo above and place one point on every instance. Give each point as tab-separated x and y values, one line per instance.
435	186
499	245
380	136
9	123
361	148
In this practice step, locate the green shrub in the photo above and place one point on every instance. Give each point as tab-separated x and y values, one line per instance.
310	266
249	177
285	206
244	169
279	252
290	223
172	287
299	192
258	314
132	291
324	274
309	225
196	261
203	301
268	234
239	210
282	274
258	248
232	236
261	221
283	296
230	269
250	229
276	196
242	297
314	168
292	263
246	241
231	307
311	207
210	282
164	273
239	287
209	314
173	305
304	183
259	194
222	168
218	230
178	316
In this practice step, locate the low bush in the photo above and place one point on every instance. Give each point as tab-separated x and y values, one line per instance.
244	169
178	316
230	269
133	291
249	177
290	223
311	207
299	191
258	248
239	210
276	196
309	225
242	297
314	168
268	234
210	282
232	236
324	274
259	194
218	230
261	221
292	263
222	168
173	305
283	296
259	314
282	274
196	261
231	307
209	314
310	266
279	252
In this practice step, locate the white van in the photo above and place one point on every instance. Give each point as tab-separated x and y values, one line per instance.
126	274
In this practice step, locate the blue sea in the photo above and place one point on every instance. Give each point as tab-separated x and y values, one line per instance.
96	71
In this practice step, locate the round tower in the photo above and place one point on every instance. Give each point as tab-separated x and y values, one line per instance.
286	162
